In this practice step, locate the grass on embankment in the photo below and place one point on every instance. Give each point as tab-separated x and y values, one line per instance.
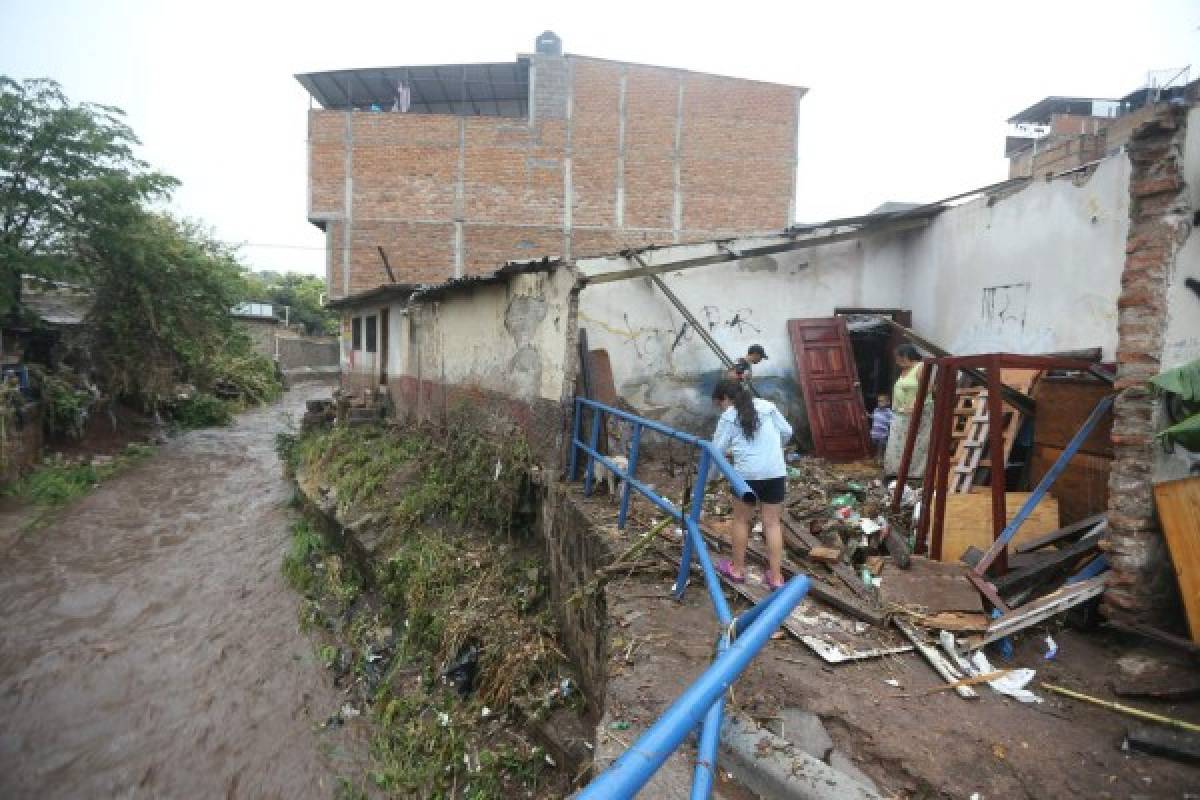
454	578
55	482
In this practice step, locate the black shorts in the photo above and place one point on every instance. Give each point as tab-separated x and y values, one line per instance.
769	490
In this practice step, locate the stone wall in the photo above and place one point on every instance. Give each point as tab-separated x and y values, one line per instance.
1161	211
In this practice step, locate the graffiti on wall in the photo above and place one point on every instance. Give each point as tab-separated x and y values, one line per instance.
1003	308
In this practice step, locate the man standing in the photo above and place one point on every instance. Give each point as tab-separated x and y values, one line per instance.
743	367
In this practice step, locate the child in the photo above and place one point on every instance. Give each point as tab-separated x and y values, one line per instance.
881	424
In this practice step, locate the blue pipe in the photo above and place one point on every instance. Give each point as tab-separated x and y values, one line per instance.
635	442
705	772
629	773
739	486
1047	480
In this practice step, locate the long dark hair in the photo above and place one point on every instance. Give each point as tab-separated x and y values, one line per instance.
743	403
909	352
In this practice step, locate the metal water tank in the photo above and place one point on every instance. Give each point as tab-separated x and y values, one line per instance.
548	44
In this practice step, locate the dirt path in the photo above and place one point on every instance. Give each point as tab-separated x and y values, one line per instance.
149	646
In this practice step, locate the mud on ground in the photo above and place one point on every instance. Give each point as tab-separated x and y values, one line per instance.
938	745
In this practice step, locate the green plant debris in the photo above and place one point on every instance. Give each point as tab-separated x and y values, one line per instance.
454	583
57	481
202	410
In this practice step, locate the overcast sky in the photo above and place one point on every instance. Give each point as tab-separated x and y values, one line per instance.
907	100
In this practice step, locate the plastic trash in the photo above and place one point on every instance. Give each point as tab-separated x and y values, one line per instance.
461	673
1005	645
619	725
908	497
794	473
843	500
869	526
1051	648
1011	683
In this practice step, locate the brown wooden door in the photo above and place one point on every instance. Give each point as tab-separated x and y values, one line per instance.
826	372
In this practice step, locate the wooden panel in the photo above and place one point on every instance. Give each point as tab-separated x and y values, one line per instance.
826	373
1063	404
1179	511
1082	489
969	521
603	388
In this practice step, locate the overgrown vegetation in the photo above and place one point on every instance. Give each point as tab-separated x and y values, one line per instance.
301	294
77	205
445	633
57	482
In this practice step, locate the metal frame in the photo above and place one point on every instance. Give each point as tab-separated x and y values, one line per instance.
740	638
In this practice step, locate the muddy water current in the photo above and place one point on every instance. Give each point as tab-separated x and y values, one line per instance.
148	644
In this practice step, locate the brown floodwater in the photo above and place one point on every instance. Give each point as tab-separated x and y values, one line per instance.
149	645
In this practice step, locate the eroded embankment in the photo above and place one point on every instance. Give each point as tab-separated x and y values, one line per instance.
424	573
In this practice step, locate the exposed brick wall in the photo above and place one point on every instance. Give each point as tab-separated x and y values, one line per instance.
617	155
1142	584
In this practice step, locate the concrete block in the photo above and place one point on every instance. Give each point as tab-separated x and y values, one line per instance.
805	731
772	767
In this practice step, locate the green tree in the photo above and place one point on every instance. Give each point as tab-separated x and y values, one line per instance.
164	289
300	292
67	173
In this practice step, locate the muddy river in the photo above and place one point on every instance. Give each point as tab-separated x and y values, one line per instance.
149	645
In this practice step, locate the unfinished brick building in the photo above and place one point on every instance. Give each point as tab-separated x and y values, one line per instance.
419	174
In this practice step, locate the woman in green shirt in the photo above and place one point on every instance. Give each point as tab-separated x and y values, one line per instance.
904	399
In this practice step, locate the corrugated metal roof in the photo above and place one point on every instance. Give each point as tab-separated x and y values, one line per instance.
493	90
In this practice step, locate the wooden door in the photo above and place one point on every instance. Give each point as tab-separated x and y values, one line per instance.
826	372
383	347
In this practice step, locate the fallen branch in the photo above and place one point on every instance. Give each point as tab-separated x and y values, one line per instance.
973	680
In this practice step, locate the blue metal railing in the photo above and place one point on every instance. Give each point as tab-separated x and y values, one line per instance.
740	638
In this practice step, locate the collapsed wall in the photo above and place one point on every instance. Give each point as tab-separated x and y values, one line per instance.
1158	328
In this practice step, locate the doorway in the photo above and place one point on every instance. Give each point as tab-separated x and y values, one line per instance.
873	341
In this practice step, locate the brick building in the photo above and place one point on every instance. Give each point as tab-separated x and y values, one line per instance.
444	171
1057	134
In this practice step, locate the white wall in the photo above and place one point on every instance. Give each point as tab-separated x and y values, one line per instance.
1035	272
1182	341
667	371
509	337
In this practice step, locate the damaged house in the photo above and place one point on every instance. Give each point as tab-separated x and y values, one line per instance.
518	235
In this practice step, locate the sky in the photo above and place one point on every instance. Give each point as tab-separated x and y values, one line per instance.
907	100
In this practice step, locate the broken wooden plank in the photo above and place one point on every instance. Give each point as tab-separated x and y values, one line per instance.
1054	564
956	621
820	590
1072	531
1169	694
930	587
1164	742
1041	609
836	653
826	555
968	521
797	537
941	665
1178	504
1163	637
